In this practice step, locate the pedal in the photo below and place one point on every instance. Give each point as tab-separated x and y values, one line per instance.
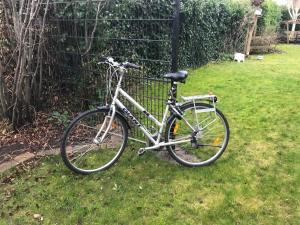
141	151
195	145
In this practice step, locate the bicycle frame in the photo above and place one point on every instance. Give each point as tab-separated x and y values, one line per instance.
117	102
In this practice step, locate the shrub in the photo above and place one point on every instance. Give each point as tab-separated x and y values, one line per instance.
264	44
209	29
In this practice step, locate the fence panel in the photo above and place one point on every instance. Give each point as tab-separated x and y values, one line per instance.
83	32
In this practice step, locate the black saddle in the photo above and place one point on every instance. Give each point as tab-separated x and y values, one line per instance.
177	77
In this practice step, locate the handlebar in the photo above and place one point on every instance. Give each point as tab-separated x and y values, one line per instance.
126	65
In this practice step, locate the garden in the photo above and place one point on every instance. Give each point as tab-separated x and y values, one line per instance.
256	181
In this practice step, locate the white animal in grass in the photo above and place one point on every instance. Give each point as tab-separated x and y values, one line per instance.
239	57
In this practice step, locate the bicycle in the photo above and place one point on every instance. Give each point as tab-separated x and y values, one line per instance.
196	132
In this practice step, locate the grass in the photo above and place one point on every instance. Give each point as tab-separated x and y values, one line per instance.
256	181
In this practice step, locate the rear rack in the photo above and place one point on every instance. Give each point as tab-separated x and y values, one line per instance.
205	122
212	98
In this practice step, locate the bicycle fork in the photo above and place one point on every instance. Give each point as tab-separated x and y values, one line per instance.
108	120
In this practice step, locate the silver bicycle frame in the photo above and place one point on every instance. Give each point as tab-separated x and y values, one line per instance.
117	102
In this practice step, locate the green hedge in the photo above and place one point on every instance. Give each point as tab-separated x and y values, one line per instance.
209	28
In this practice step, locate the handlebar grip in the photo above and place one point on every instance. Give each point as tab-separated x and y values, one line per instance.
132	66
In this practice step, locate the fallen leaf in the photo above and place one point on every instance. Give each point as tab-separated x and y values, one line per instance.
37	216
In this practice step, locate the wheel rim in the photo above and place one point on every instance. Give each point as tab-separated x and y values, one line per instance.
81	151
211	140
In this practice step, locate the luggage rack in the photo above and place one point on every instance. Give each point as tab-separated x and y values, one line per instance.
211	98
208	120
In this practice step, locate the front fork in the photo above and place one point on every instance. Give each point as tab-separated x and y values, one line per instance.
108	120
111	114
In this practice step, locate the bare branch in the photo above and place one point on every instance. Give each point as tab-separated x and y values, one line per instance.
90	39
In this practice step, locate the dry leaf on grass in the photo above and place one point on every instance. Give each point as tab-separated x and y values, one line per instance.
38	217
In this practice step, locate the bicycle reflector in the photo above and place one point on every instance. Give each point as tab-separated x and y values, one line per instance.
114	125
176	128
217	141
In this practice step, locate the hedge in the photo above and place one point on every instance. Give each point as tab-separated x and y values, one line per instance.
209	28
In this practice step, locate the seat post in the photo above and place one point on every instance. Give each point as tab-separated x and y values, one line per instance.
173	92
172	100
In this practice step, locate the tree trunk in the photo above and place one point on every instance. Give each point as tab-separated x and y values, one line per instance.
292	35
24	23
250	36
3	98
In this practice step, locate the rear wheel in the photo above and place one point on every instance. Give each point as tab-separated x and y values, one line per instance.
79	151
204	146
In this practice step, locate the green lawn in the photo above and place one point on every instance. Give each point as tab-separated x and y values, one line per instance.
256	181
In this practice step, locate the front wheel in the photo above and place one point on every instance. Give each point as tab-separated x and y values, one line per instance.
206	143
79	150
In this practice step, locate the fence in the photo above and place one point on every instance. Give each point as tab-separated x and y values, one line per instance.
85	31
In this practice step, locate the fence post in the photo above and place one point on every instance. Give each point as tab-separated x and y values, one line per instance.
175	35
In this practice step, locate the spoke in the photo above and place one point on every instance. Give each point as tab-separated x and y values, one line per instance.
204	120
214	146
79	159
94	128
118	135
182	138
111	134
208	131
210	138
81	147
83	153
